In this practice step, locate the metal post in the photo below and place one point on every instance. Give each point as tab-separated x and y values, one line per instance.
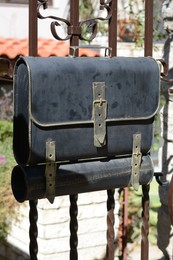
110	225
74	41
111	201
73	227
33	231
145	222
33	28
33	213
113	28
74	20
148	49
125	223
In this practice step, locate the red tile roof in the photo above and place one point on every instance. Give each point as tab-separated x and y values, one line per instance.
12	48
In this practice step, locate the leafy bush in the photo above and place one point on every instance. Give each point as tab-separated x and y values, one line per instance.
7	201
6	130
135	211
6	104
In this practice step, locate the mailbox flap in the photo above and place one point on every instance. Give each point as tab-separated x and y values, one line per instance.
61	90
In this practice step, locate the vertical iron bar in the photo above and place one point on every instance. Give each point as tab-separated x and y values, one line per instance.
33	231
74	20
74	41
148	49
145	222
112	41
73	227
33	213
113	28
125	223
33	31
110	225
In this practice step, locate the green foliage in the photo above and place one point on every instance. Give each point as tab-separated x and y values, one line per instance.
135	211
134	10
6	130
86	9
6	104
7	201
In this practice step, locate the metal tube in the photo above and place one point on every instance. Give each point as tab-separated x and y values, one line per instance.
28	182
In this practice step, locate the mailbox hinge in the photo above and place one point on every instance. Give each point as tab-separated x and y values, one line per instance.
136	161
50	172
99	113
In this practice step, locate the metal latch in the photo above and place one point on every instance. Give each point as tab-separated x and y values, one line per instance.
99	113
136	161
50	172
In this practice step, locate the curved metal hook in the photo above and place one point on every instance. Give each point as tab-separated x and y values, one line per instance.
91	24
55	34
157	176
164	74
43	3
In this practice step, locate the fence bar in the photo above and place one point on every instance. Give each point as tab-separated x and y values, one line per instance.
74	41
74	20
110	225
145	222
148	49
112	41
33	213
73	227
113	28
33	31
33	231
125	223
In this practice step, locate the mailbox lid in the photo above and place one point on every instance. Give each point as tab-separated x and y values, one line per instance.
60	89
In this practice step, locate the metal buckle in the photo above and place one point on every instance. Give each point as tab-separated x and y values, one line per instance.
50	171
99	113
136	161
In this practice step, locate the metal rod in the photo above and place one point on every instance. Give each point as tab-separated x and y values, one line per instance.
33	231
73	227
148	49
33	31
113	28
74	41
110	225
74	20
33	214
125	223
145	222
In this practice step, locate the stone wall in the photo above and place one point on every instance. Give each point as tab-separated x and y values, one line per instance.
53	227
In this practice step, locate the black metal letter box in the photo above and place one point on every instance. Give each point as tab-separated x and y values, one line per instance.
71	110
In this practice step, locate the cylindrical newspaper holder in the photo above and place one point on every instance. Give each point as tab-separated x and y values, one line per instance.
29	182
